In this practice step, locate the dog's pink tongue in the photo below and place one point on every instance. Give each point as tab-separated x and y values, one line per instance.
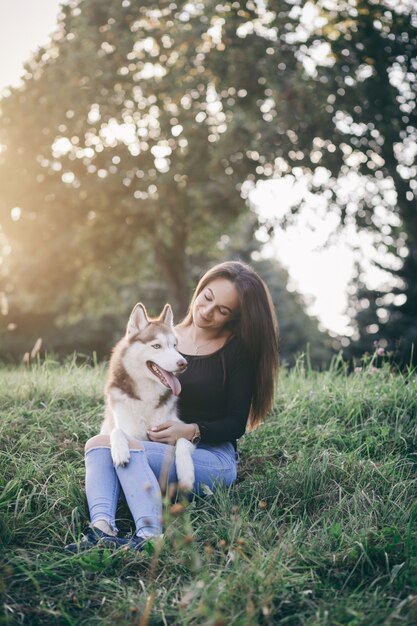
173	382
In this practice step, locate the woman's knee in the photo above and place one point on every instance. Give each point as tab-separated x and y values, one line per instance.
103	441
98	441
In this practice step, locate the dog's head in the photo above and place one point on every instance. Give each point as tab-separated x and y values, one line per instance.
153	345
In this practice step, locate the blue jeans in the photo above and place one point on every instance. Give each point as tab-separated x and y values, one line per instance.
141	480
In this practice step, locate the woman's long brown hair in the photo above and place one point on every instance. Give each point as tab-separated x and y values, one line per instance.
257	326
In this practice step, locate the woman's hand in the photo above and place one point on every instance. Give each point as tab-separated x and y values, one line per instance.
170	431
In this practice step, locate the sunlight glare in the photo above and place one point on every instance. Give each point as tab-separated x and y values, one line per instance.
320	262
15	213
61	146
113	133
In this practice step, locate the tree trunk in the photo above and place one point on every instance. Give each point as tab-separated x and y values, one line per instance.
171	259
407	208
177	286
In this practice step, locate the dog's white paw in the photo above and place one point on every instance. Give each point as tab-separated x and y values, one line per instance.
120	452
186	485
121	457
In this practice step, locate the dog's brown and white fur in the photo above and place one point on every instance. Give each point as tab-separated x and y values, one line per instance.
142	389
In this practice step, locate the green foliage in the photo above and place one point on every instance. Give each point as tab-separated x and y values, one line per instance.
95	335
319	529
367	121
138	125
388	317
140	129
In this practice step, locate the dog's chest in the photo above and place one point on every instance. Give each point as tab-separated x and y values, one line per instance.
137	416
156	408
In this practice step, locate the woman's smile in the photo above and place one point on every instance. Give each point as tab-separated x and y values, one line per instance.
205	320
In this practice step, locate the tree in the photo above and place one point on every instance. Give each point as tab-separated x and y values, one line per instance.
133	131
379	62
361	93
346	121
359	141
386	317
142	126
299	332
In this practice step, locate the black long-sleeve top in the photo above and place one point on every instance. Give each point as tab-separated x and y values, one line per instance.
216	392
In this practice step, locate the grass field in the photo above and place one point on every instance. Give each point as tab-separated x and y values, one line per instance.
320	529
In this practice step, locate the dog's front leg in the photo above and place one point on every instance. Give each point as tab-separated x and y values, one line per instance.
184	464
120	452
119	442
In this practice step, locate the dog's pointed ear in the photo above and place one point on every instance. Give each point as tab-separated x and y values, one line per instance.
167	316
138	320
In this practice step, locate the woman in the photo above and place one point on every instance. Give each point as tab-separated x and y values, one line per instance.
230	340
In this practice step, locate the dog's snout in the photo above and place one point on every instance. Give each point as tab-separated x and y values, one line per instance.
182	364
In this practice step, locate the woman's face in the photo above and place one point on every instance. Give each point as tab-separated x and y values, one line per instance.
217	304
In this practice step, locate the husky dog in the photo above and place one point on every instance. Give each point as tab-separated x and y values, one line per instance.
142	389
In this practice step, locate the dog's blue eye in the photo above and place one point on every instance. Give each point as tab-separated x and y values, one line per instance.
156	346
